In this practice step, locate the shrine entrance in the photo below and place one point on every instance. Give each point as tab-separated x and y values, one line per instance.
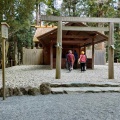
92	41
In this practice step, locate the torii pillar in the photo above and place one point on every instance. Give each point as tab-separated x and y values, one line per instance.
111	52
59	50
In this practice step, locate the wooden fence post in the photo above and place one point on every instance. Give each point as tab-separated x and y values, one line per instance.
3	67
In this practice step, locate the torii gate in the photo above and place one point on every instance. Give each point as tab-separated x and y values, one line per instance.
60	19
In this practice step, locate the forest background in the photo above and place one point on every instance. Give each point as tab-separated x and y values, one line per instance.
22	15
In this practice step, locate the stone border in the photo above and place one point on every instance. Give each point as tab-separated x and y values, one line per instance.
47	88
43	89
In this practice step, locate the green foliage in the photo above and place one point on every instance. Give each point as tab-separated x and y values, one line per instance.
73	8
98	9
117	46
19	15
51	10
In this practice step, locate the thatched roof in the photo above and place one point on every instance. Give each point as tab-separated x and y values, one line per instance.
43	30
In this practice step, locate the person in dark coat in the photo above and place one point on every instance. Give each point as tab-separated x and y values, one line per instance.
76	59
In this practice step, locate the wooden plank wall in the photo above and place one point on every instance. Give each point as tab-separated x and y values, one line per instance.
99	56
32	56
35	56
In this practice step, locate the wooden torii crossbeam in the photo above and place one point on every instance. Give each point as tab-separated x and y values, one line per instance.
79	19
60	19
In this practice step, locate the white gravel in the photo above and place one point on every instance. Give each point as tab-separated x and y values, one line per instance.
88	106
34	75
82	106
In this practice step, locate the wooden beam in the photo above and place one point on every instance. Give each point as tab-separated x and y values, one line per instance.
72	42
79	19
76	28
70	36
79	42
76	36
111	52
59	50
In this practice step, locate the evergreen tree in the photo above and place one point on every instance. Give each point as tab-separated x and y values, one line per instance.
19	15
117	35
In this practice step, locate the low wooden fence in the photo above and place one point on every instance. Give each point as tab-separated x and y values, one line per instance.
32	56
35	56
99	58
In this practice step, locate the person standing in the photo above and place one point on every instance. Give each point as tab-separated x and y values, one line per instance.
71	60
76	59
82	60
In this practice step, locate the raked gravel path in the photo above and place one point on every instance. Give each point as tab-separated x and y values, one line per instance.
34	75
88	106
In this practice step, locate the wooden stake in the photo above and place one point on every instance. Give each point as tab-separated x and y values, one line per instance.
3	67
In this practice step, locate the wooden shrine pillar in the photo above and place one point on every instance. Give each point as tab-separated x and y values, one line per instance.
93	53
59	50
111	52
51	56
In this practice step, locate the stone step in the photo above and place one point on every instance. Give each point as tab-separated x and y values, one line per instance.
67	90
85	84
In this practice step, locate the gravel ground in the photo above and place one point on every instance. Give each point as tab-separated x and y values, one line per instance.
87	106
34	75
